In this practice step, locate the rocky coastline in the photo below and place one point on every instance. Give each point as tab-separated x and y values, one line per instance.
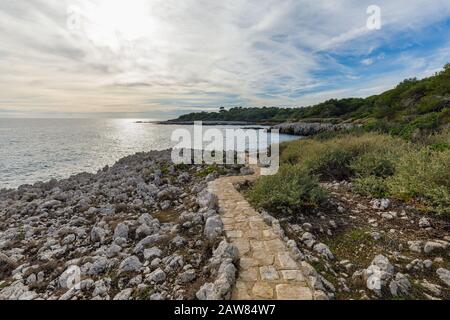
309	129
145	229
205	123
291	128
140	229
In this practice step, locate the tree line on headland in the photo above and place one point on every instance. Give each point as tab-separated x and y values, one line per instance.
412	105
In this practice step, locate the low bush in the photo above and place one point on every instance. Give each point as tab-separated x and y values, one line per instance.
288	191
211	169
423	177
371	186
380	166
334	163
344	157
374	164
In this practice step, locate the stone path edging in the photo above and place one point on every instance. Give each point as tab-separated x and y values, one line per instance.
266	268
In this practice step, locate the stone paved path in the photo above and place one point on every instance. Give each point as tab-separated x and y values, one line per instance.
266	269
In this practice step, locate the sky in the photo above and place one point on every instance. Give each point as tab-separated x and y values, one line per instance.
161	58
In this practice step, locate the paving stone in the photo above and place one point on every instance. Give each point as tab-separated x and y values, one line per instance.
262	290
293	292
257	219
242	245
266	270
227	221
234	234
285	261
268	273
264	257
255	234
257	244
269	235
240	291
275	245
241	218
292	275
258	225
251	274
243	226
246	263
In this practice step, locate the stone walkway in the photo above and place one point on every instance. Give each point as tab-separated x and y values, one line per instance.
266	270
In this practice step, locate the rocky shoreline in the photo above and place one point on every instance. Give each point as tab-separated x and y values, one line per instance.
144	229
205	123
140	229
290	128
309	129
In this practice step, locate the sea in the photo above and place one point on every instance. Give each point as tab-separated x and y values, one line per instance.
34	150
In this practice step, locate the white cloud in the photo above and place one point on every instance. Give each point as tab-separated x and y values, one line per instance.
132	56
367	62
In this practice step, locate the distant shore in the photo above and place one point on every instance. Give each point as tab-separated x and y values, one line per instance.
294	128
206	123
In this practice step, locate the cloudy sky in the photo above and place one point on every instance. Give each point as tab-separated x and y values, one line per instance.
158	58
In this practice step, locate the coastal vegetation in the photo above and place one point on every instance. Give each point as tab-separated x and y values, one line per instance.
359	201
290	190
400	150
378	165
413	105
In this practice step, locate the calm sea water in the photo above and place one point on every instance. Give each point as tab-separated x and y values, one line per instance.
41	149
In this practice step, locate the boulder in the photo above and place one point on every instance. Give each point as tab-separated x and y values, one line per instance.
150	254
99	266
415	246
147	242
187	276
324	250
380	204
98	234
378	274
207	200
130	264
113	250
435	246
444	275
400	286
124	294
213	227
70	278
424	223
145	219
121	231
158	276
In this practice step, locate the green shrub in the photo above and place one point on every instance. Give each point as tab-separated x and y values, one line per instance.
371	186
423	177
371	169
211	169
440	147
381	165
333	164
288	191
439	141
344	157
378	164
298	152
